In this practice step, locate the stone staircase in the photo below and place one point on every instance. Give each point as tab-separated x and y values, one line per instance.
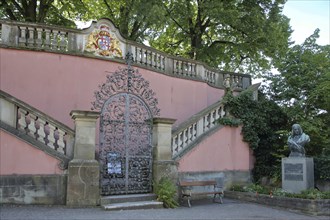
130	202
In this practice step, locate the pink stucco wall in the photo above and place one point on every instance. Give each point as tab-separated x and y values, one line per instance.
58	83
222	151
18	157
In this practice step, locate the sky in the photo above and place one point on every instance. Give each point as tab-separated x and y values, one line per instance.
307	15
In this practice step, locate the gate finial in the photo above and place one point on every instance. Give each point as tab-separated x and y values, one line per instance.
129	59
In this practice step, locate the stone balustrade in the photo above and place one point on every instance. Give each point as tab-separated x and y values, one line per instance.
37	125
75	41
187	133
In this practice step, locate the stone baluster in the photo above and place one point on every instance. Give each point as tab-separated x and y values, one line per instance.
47	43
175	147
185	137
163	63
140	55
180	143
133	50
51	135
39	38
150	58
156	61
137	55
190	133
195	131
62	41
181	67
143	56
54	42
206	123
41	135
22	125
215	116
193	69
22	37
31	37
185	68
32	130
175	67
60	141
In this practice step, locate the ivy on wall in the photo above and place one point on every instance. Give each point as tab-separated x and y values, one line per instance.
264	127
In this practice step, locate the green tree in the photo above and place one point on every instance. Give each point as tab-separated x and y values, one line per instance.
237	35
302	89
135	19
42	11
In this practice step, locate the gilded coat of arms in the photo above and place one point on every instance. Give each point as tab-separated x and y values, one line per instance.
103	43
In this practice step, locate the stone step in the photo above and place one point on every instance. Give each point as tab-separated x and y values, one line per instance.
133	205
127	198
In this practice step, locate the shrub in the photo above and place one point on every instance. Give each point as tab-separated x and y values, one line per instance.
166	192
305	194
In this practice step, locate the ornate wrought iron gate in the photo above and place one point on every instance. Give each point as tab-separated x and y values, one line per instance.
127	107
126	145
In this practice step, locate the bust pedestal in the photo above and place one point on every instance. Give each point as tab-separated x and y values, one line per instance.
297	174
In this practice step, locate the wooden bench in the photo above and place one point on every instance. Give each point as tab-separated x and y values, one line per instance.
186	189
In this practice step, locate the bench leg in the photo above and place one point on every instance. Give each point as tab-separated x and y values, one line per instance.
189	204
220	197
188	200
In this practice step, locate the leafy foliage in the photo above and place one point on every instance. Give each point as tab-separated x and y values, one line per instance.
322	167
135	19
305	194
237	35
166	192
41	11
303	92
263	133
230	121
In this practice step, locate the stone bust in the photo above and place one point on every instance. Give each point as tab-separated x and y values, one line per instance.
296	141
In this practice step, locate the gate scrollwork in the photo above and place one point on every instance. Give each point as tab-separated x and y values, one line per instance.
127	107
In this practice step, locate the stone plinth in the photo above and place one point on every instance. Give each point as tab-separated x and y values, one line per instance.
83	183
162	137
165	168
85	133
84	170
297	174
163	165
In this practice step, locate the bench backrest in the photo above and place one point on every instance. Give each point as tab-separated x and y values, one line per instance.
197	183
218	182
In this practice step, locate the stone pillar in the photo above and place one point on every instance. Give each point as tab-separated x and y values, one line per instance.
297	174
163	165
83	170
8	112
